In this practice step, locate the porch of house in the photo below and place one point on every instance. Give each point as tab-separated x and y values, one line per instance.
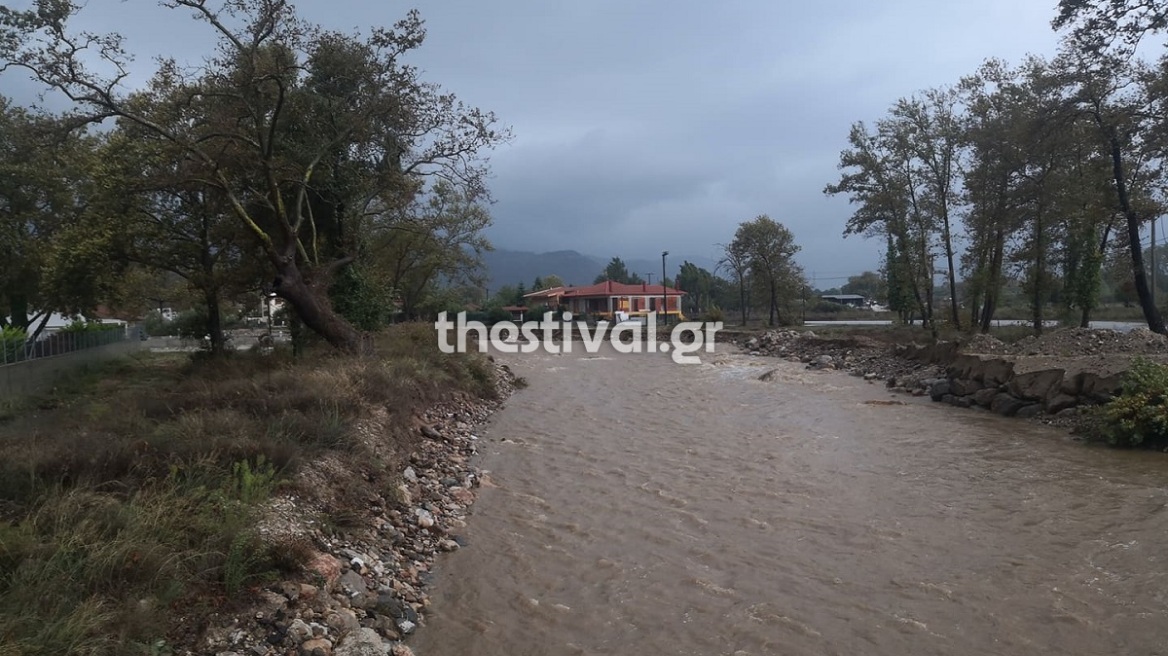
633	306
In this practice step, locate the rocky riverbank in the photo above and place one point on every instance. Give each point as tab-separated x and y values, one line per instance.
1050	378
363	589
856	354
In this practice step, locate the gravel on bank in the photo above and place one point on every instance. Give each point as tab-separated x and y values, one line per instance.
364	588
855	354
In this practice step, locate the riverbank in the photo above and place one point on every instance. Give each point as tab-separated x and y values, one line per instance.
1053	378
256	506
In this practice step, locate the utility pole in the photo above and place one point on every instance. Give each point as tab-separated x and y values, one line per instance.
1153	260
664	294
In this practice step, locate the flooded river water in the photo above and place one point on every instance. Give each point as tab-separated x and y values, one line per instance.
638	506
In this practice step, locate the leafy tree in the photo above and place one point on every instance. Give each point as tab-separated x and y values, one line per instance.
868	284
310	136
617	271
736	260
436	243
550	281
769	247
54	245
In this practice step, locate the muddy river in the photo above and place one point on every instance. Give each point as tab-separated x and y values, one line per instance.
638	506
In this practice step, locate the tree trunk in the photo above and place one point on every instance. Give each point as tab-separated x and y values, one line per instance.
774	294
742	297
952	275
993	285
1147	303
313	308
1039	270
214	319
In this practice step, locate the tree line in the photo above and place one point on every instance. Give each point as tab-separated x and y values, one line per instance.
1047	172
297	162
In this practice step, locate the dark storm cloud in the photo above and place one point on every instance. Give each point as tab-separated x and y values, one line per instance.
653	125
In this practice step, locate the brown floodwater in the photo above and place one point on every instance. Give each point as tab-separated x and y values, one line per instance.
638	506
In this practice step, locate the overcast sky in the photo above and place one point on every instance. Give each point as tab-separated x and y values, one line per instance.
650	125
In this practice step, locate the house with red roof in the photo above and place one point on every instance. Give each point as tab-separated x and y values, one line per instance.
605	299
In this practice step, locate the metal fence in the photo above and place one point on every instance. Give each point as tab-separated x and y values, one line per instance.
13	350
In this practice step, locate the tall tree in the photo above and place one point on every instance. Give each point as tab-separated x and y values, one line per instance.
618	271
770	249
306	133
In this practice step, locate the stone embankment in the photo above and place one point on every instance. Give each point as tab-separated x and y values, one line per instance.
363	590
1053	375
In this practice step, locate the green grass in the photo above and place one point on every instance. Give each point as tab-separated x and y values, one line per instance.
129	492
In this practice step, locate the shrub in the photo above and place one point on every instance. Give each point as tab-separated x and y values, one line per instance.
1138	415
12	343
714	314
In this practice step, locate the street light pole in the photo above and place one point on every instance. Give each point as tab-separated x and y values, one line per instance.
664	294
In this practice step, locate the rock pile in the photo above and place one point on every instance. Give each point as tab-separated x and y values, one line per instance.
857	355
1073	342
365	588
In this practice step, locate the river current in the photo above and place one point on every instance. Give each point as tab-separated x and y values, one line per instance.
638	506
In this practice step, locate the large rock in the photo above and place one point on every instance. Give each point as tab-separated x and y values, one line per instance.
964	386
938	389
1007	405
1029	411
1100	388
959	401
985	397
1060	402
1037	385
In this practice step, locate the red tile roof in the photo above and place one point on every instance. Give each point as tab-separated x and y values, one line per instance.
605	289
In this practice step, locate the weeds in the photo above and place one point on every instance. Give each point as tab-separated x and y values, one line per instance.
133	488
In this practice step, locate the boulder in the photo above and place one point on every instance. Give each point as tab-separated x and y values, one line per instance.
938	389
1007	405
959	401
1029	411
1060	402
1036	385
964	386
985	397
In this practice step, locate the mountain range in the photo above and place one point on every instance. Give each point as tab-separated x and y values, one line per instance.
508	267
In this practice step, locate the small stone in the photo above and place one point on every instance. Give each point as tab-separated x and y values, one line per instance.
406	627
448	545
299	631
316	647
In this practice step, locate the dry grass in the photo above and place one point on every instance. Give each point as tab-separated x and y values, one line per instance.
131	489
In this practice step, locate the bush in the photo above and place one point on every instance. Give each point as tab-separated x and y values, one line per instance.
713	315
12	343
1138	415
497	314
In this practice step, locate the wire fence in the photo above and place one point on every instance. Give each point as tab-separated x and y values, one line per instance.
22	349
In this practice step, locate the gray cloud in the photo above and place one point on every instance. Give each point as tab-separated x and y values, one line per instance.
661	124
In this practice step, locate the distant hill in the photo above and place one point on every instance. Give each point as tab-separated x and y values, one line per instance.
507	267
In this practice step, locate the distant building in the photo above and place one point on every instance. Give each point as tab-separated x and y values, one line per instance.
850	300
605	299
517	311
